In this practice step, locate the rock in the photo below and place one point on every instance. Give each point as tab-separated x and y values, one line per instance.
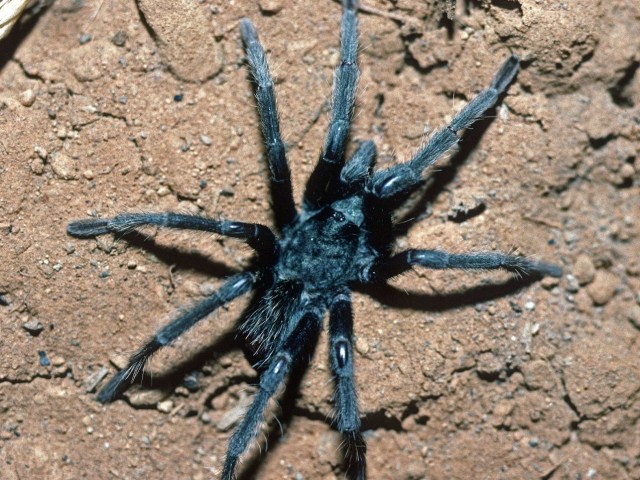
634	315
572	284
538	374
119	361
92	381
583	270
270	6
488	365
362	347
63	166
57	361
603	287
147	398
233	416
33	326
184	37
119	39
27	98
165	407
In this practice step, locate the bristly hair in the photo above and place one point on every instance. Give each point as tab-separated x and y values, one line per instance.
267	324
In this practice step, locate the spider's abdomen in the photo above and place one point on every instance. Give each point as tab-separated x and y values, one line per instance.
321	250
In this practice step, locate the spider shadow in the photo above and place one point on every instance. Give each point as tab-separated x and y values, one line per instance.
176	375
391	296
187	260
197	262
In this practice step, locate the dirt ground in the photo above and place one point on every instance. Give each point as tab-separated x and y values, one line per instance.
111	106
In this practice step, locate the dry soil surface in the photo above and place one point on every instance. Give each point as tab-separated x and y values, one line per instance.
111	106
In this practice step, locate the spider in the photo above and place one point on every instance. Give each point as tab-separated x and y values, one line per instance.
342	237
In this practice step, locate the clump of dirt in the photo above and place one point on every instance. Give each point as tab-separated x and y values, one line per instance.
107	107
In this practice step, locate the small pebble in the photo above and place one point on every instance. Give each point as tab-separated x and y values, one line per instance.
63	166
165	406
206	140
270	6
603	287
33	326
570	237
41	152
119	38
627	171
44	360
178	97
572	284
192	382
583	270
84	38
57	361
27	97
530	306
233	416
227	191
147	398
119	361
634	316
163	191
362	346
92	381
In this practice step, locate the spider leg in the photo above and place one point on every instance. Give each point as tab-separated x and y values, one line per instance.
300	340
346	405
234	287
402	178
281	190
438	259
357	170
321	185
257	236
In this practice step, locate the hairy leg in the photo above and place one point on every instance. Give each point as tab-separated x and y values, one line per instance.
404	177
234	287
357	170
300	340
438	259
323	180
346	405
281	190
257	236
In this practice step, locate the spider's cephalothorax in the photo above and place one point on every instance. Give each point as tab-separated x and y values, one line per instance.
342	237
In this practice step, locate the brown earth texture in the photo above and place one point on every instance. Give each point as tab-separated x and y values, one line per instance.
110	106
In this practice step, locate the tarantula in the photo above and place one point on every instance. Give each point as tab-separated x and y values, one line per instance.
342	237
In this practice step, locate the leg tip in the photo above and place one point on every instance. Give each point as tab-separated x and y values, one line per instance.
247	31
506	73
88	228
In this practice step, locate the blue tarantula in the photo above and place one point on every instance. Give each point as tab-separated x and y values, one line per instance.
342	237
